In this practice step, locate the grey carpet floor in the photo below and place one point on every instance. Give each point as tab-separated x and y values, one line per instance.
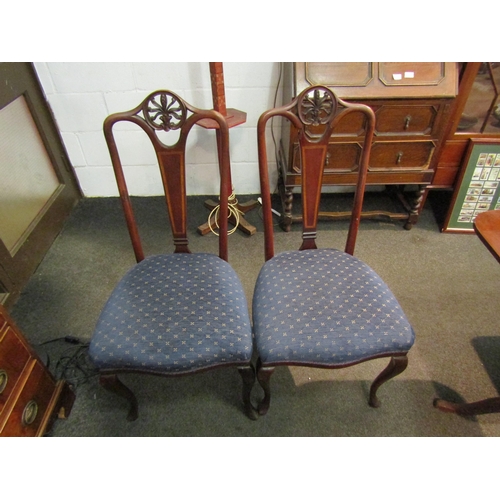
448	285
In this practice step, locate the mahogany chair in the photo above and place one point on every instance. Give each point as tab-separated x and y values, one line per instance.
176	313
322	307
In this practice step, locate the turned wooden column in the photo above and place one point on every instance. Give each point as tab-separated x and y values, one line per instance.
233	117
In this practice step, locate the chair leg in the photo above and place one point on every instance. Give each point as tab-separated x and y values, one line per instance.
248	376
490	405
264	376
396	366
113	384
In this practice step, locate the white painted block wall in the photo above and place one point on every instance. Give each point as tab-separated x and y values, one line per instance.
82	94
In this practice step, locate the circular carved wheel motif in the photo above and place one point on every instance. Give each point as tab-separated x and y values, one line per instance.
317	107
164	111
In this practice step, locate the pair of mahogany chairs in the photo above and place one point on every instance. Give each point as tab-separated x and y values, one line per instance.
181	313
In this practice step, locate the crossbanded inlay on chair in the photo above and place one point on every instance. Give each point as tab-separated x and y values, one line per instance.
322	307
177	313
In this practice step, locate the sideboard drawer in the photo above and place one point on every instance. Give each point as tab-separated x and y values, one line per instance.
30	397
386	156
31	405
401	155
412	120
13	359
340	157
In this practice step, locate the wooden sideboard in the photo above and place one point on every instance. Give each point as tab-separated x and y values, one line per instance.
30	397
412	103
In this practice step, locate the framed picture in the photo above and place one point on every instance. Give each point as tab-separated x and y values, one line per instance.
478	186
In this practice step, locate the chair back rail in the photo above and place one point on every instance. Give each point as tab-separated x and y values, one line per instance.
165	111
314	113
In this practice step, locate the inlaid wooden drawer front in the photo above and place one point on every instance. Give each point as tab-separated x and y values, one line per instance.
343	157
351	125
13	359
401	155
394	120
30	407
340	157
30	397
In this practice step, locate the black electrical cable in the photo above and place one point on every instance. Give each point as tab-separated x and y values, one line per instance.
73	365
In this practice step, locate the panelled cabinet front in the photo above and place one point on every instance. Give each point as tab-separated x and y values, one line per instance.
411	101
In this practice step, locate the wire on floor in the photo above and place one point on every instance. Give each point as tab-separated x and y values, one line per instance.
73	365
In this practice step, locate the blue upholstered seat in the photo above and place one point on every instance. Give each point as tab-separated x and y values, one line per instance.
325	307
174	313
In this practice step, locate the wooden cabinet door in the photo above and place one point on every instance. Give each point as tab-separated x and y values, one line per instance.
38	188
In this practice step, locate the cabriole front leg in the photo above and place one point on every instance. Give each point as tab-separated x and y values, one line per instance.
248	376
263	376
113	384
396	366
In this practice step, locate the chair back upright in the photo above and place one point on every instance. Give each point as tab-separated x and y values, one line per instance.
314	115
164	111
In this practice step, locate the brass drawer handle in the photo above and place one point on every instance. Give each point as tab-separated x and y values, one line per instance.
3	380
407	122
29	413
327	160
399	158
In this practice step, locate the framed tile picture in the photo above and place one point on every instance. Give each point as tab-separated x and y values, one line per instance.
478	186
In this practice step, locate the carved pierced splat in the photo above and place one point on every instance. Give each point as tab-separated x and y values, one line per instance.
164	111
314	114
317	108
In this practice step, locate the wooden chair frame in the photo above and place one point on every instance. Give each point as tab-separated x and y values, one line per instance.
164	110
314	113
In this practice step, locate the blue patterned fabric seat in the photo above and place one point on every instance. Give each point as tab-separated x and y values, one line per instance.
325	307
174	313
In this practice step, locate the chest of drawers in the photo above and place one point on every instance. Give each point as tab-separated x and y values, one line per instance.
30	397
412	103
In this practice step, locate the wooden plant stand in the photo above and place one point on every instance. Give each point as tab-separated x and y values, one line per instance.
234	117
